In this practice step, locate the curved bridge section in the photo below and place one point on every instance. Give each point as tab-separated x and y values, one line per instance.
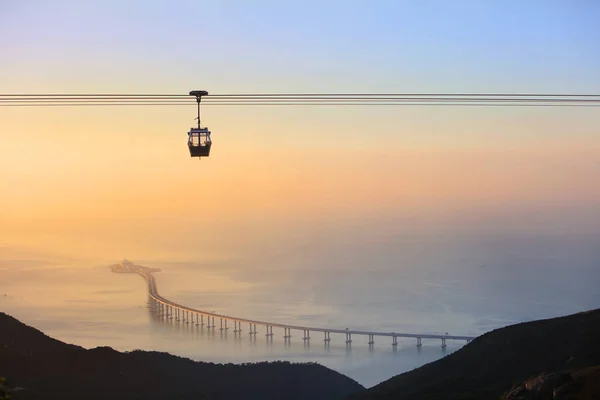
171	310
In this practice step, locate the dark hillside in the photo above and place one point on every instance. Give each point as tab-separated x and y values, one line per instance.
47	368
582	384
490	365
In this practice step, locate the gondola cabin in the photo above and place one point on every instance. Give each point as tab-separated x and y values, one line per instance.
199	142
199	138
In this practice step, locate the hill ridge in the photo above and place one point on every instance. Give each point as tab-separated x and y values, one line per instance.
495	361
48	368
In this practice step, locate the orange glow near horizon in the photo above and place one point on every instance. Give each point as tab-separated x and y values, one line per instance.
94	179
68	180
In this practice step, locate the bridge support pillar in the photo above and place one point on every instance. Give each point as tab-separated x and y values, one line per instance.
327	337
235	327
306	335
213	322
348	338
419	344
394	341
269	331
226	327
371	339
443	343
221	328
286	333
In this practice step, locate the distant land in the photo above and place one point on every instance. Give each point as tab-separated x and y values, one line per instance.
128	266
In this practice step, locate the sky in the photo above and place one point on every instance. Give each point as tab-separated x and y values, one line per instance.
118	182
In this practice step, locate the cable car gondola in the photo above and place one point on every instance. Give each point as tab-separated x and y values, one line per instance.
199	141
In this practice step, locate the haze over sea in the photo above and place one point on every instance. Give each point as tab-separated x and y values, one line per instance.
468	285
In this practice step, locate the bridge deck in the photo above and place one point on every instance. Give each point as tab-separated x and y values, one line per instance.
153	292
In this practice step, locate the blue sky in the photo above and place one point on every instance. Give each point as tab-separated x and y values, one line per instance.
237	46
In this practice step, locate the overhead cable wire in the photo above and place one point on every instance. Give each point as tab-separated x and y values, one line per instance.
301	99
309	95
295	99
346	104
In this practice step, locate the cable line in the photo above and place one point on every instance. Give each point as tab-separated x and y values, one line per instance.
338	99
312	95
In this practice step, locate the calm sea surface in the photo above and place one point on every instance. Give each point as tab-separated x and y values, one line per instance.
385	288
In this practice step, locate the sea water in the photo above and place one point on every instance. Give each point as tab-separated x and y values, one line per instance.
457	289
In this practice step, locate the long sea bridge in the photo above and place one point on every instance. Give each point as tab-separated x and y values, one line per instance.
171	310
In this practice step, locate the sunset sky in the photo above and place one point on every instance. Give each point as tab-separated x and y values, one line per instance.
118	182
